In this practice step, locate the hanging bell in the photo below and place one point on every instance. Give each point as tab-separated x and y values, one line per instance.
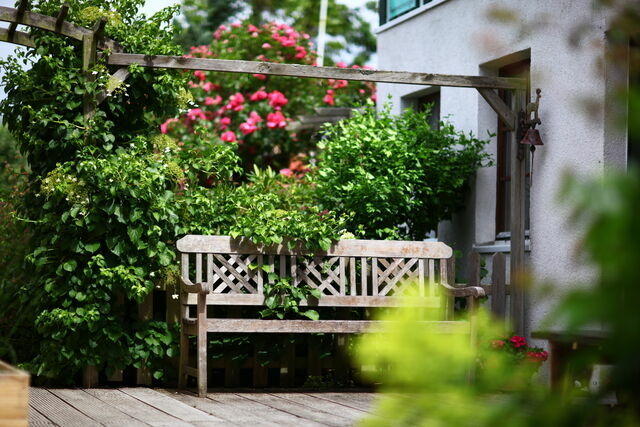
532	138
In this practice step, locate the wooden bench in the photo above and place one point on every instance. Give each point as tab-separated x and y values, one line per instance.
221	271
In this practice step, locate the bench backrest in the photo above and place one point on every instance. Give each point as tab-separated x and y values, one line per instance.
356	273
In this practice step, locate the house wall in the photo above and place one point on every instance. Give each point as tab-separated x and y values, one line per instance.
457	37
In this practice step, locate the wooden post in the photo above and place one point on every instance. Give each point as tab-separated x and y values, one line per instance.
145	313
517	190
498	286
90	377
202	344
89	55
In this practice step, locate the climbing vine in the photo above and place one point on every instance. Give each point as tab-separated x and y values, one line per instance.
100	198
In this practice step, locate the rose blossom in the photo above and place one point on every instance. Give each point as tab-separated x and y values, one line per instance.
228	136
277	99
276	120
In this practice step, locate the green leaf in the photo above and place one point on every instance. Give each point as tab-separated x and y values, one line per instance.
311	314
92	247
70	265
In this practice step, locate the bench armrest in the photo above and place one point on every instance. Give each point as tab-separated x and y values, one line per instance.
464	291
197	288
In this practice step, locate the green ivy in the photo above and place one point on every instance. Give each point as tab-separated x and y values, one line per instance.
101	198
283	299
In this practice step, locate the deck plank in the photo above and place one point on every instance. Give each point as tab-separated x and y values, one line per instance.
57	410
169	404
36	419
307	412
136	408
267	413
311	400
361	401
231	414
96	409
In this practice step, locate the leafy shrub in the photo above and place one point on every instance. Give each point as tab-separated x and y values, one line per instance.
267	209
396	176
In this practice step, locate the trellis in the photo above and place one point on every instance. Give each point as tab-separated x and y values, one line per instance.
93	41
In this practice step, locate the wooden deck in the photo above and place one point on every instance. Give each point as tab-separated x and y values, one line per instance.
125	407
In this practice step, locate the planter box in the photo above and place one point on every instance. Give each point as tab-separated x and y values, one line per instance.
14	396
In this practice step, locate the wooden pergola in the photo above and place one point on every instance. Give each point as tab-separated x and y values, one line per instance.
93	41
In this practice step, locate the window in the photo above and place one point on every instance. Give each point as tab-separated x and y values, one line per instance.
421	101
391	9
505	144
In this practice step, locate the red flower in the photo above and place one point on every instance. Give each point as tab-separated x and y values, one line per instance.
164	127
254	117
225	122
248	127
518	341
276	120
213	101
260	76
208	86
228	136
196	113
277	99
340	84
200	75
259	95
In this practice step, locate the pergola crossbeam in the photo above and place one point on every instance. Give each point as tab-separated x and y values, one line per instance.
309	71
19	37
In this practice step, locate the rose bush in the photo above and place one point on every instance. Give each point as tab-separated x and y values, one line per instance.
253	111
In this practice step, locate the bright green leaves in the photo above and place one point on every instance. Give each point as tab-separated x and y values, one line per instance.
283	299
395	176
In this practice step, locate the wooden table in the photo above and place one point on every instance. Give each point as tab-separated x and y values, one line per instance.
568	349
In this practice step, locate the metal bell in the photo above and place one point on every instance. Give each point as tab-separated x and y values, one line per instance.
532	138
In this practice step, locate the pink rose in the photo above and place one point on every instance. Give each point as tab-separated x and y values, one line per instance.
341	64
266	46
252	28
248	128
164	127
254	117
225	122
276	120
200	75
277	99
208	86
286	172
260	76
196	113
213	101
228	136
259	95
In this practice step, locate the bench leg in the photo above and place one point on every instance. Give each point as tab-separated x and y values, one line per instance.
184	359
202	345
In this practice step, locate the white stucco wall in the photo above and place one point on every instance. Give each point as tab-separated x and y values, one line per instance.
457	37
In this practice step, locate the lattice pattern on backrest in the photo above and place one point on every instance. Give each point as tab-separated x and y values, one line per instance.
231	270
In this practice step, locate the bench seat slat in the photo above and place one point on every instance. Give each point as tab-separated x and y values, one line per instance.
319	326
362	248
325	301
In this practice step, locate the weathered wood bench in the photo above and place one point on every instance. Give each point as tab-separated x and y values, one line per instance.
221	271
